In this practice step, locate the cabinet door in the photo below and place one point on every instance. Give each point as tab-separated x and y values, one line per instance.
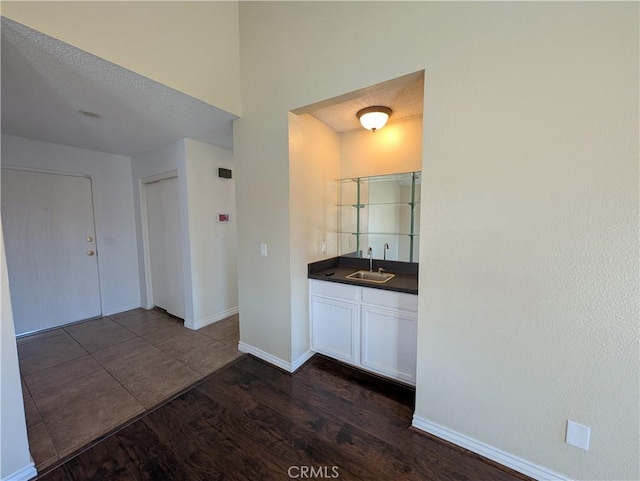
389	343
334	328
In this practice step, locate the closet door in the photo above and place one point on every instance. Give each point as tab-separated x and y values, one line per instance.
165	247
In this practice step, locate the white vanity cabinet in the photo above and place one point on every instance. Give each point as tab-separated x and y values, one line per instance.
373	329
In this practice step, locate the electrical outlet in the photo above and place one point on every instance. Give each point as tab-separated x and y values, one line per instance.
578	435
263	250
323	246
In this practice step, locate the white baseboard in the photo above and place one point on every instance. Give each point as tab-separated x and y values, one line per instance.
22	474
502	457
117	310
298	363
265	356
276	361
192	324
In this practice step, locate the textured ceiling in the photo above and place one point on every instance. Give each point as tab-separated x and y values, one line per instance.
403	95
46	82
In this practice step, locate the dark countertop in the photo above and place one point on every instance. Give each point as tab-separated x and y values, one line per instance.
405	280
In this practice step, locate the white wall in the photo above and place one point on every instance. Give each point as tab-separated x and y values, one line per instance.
210	271
113	207
395	148
214	280
313	170
189	46
528	280
15	459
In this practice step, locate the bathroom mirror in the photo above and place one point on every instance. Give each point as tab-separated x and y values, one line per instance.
381	212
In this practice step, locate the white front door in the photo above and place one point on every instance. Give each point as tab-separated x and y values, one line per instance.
165	246
49	235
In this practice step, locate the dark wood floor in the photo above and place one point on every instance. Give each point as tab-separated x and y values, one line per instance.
250	421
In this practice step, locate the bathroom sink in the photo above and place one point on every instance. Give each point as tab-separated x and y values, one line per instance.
368	276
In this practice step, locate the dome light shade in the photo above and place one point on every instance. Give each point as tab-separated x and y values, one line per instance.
374	118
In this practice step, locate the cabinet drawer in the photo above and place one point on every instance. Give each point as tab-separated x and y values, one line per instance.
390	299
335	290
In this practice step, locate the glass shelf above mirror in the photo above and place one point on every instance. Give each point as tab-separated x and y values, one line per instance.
381	212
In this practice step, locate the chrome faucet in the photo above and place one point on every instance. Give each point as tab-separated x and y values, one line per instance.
384	251
370	254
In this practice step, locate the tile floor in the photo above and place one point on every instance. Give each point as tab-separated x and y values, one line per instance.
84	380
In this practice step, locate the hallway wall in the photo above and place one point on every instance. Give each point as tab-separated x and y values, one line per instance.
15	459
208	247
212	244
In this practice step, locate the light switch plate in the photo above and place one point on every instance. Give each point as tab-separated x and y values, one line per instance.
263	250
578	435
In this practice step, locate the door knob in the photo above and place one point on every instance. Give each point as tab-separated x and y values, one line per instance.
89	239
90	253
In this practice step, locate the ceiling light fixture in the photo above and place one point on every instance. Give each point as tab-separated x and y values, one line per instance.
374	118
89	114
